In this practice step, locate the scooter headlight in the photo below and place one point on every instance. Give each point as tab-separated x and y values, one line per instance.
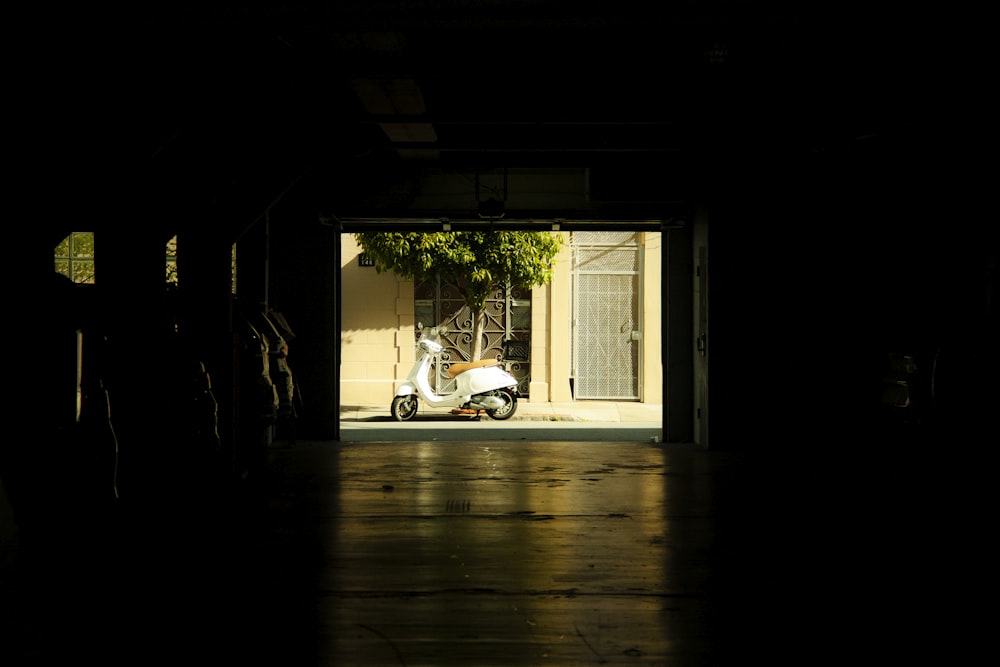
431	346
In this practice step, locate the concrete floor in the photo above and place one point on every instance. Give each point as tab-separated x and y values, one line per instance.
498	552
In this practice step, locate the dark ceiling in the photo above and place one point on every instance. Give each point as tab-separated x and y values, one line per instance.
585	109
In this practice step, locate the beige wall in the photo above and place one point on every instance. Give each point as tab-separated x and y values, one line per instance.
560	305
651	387
376	330
377	334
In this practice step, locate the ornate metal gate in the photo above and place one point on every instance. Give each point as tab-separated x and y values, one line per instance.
606	316
508	317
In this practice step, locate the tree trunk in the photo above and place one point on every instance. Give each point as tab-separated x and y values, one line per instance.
478	321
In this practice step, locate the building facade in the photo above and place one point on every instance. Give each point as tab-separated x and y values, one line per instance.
593	332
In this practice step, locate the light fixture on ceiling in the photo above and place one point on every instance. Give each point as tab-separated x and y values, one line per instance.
492	208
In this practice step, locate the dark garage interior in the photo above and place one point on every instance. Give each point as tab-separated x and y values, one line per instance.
832	163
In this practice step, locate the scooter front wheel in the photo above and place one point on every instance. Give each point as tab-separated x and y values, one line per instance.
509	405
404	408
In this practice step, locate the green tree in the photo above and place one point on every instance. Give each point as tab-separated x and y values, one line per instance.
476	262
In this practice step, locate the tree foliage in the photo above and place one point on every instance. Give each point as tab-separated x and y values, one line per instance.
475	262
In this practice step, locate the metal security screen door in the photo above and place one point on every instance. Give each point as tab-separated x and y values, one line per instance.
606	316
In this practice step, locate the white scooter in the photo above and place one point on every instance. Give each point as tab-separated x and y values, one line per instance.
479	385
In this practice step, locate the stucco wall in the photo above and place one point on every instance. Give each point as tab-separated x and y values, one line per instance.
559	332
652	298
376	330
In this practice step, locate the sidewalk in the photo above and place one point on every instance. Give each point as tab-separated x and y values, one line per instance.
572	411
572	421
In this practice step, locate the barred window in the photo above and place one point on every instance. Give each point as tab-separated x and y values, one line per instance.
74	257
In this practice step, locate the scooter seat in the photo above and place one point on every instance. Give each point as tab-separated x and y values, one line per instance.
461	367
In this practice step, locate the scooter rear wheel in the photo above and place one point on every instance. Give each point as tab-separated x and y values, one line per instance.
404	408
509	406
